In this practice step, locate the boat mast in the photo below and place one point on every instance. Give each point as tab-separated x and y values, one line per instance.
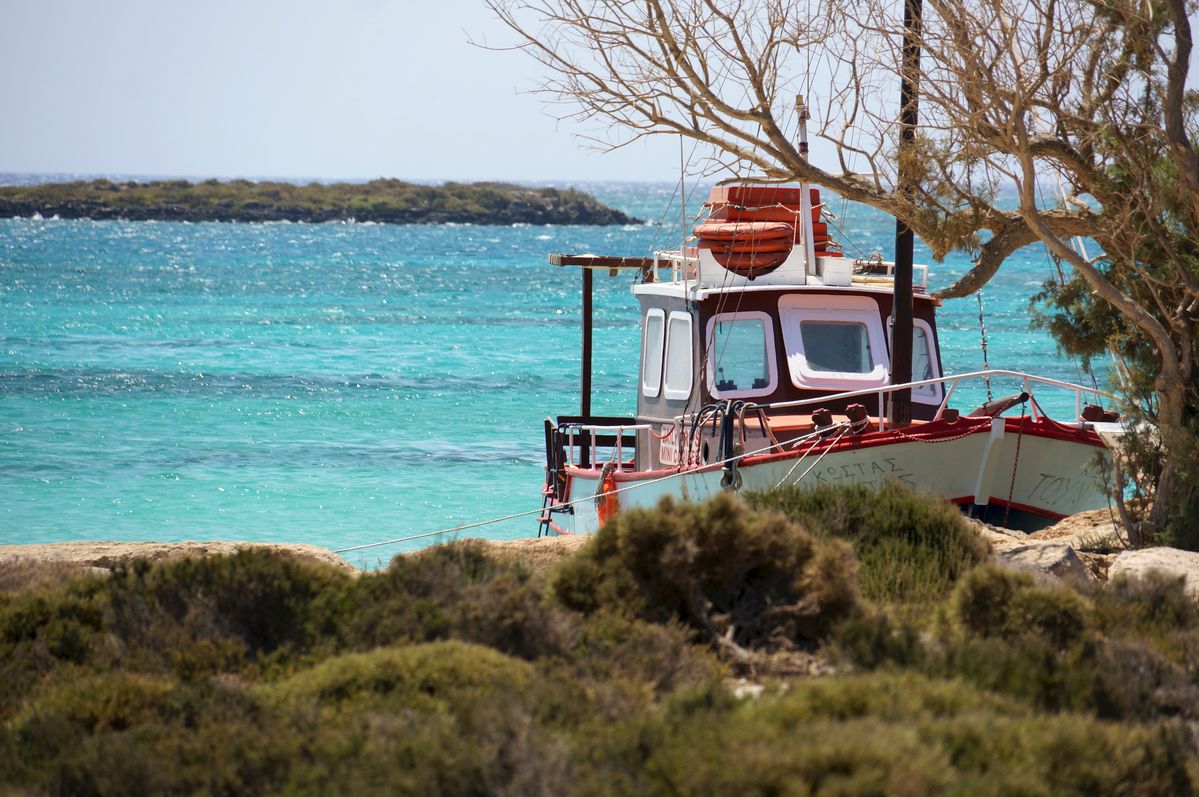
805	191
901	313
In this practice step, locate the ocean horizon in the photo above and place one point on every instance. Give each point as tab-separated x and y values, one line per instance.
341	384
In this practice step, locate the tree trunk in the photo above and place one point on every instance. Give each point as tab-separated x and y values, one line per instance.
1172	428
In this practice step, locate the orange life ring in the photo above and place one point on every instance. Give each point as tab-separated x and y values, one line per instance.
744	247
751	264
744	230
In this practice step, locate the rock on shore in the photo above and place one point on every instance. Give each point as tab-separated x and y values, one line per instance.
1170	562
26	565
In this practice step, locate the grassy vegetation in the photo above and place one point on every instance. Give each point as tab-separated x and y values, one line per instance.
387	201
450	672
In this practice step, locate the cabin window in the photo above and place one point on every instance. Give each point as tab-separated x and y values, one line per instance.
652	340
741	355
837	346
834	342
679	367
924	362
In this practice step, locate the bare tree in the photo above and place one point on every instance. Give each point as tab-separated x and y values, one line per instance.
1013	93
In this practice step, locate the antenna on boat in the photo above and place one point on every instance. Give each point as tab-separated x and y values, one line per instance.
805	193
901	312
682	200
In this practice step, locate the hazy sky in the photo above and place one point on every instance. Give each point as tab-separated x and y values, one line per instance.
354	89
269	88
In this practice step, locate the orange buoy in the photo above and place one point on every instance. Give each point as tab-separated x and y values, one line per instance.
606	501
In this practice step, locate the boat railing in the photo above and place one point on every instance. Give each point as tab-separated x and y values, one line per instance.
614	436
951	381
682	266
866	270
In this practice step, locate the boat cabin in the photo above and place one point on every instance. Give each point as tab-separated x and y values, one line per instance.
730	322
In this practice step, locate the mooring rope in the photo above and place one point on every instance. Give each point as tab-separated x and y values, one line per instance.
617	491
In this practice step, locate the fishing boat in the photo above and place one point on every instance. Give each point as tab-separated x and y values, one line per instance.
769	359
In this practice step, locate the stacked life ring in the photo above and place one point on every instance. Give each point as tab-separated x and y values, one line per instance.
747	248
753	228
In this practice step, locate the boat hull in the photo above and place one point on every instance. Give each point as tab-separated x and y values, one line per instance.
1021	472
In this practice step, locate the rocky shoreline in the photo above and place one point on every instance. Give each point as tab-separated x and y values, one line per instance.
1089	546
378	201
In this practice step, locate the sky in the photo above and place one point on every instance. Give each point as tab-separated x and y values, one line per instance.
352	89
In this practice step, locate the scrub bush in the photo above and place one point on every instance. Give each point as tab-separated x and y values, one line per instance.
912	548
999	602
1103	650
122	733
429	677
450	591
885	734
435	718
208	615
736	577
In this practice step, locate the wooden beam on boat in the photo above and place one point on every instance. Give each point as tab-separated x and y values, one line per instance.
612	265
589	264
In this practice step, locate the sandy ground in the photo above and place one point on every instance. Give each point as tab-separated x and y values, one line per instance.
28	565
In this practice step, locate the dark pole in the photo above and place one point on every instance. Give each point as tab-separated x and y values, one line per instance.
585	400
901	312
585	404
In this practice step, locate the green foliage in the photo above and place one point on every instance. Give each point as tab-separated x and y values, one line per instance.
214	611
452	673
882	734
1126	650
454	591
912	548
124	733
1088	327
433	677
727	572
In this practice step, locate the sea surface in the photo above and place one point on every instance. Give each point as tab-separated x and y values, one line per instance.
342	384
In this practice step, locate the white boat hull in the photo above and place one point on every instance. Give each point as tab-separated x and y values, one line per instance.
1031	471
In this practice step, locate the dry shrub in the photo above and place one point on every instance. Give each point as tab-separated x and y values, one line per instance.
450	591
206	615
883	734
1105	652
1000	602
912	547
429	677
738	578
24	575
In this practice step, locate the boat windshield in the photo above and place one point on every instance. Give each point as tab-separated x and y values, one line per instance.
837	346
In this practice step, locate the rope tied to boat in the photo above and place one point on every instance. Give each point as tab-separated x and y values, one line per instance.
913	438
517	515
1011	490
848	428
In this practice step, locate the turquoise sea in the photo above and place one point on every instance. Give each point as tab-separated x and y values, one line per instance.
339	384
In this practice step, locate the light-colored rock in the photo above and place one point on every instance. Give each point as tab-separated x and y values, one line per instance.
1096	531
1098	564
1168	561
1053	558
998	536
107	555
